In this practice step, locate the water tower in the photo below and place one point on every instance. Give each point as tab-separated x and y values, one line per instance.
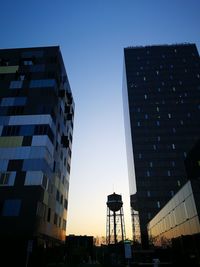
115	228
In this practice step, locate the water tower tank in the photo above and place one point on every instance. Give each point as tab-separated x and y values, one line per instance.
115	228
114	202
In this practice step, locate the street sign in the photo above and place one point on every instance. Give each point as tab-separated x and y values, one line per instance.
127	248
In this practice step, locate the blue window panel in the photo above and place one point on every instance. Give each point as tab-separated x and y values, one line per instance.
7	178
20	101
3	165
1	129
4	120
33	178
37	152
37	165
3	110
12	178
7	101
29	54
26	130
42	83
29	119
37	68
16	84
11	207
13	101
26	152
43	140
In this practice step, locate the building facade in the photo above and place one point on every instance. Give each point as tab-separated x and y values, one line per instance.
179	217
36	127
161	92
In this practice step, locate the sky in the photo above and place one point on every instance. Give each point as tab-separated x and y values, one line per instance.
92	35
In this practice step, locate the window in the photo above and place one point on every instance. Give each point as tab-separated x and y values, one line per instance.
44	181
57	195
59	223
169	116
145	96
61	199
146	116
49	215
64	224
68	168
138	123
55	219
168	173
16	84
158	204
33	178
65	203
28	62
40	209
7	178
140	156
21	77
154	147
42	83
148	173
171	193
4	178
11	207
185	154
148	193
179	183
158	138
157	123
173	146
151	164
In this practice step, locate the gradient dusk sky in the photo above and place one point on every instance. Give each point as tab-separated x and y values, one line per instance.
92	35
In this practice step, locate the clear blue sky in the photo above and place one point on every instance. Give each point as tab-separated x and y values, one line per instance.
92	35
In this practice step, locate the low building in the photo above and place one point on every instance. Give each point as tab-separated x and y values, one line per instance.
179	217
79	249
177	225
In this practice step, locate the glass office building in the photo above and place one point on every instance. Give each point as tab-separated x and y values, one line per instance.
36	126
179	217
161	92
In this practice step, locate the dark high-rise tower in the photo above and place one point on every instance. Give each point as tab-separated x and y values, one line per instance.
36	125
161	92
